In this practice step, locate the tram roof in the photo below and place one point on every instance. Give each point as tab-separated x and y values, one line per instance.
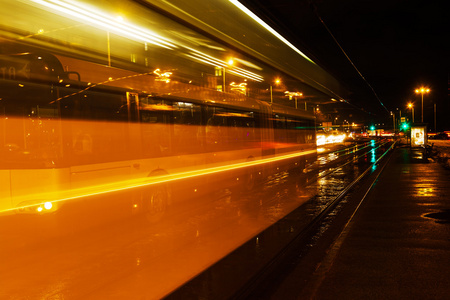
226	22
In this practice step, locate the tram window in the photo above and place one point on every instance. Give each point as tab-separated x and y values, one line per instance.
279	125
187	113
110	107
232	129
94	105
155	110
30	137
296	130
241	127
215	128
156	118
46	111
99	131
311	132
188	132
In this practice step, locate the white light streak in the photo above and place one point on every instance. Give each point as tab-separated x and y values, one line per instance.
208	59
97	18
270	29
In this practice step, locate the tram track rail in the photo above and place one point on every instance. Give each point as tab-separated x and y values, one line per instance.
291	250
214	283
351	160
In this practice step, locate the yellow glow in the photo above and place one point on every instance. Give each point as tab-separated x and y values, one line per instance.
241	87
48	205
162	76
422	90
417	136
410	105
293	94
270	29
322	139
210	60
99	19
60	196
425	192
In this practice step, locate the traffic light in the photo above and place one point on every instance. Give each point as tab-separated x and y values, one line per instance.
372	127
405	126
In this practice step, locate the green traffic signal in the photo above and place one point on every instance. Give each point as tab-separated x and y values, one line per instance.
405	126
372	127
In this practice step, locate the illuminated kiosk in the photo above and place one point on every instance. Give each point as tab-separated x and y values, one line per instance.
418	140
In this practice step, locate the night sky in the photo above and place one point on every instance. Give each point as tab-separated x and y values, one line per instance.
396	45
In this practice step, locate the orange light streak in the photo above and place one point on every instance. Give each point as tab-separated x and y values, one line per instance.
117	186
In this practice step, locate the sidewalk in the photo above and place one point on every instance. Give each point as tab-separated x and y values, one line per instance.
398	243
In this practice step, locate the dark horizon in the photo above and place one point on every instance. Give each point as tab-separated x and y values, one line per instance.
396	46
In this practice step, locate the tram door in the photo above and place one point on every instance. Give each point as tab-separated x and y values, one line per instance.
266	127
133	106
134	132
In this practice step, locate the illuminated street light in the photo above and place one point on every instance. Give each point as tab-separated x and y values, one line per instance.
421	91
393	120
230	63
411	106
277	82
293	95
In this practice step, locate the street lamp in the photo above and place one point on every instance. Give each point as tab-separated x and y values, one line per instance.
230	63
293	95
421	91
411	106
393	120
277	82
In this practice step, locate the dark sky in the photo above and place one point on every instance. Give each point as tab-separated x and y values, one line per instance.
396	45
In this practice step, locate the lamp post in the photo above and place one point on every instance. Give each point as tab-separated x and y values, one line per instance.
410	105
277	82
221	71
435	118
393	120
421	91
293	95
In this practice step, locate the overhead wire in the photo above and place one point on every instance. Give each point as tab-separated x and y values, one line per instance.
314	9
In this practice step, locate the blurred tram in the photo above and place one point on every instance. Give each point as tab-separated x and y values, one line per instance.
86	109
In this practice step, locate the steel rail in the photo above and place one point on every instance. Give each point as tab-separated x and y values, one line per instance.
306	232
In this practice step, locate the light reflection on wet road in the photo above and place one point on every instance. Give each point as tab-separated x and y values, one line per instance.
51	258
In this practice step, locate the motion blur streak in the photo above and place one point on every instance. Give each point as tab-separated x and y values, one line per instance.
323	139
60	196
262	23
208	59
102	20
